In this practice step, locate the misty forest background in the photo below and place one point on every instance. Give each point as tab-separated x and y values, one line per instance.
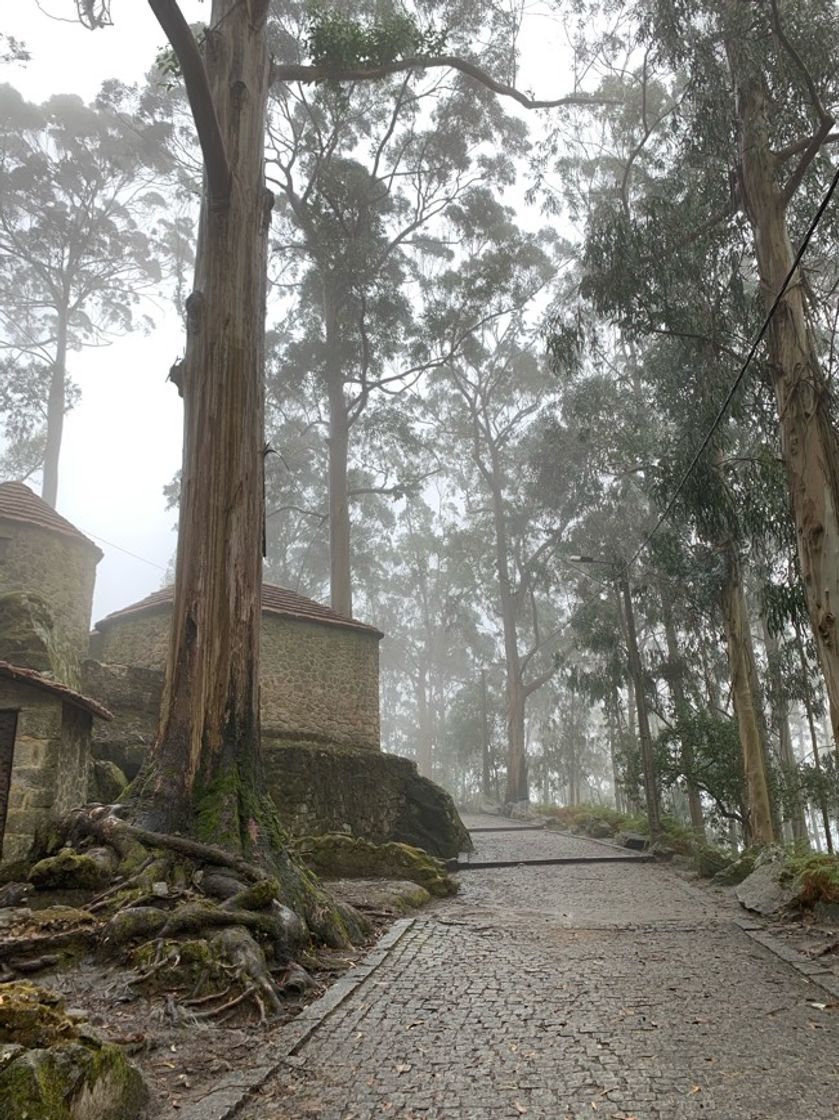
499	345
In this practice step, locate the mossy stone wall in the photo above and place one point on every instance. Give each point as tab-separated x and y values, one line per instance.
318	682
59	568
49	765
379	797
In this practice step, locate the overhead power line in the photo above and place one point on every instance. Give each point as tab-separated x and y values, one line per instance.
668	509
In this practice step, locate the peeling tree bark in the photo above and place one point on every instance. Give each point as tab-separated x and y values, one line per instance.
208	739
809	441
746	703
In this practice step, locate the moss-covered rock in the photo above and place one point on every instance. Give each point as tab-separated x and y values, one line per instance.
736	872
71	870
709	861
53	1067
107	783
389	896
72	1081
338	856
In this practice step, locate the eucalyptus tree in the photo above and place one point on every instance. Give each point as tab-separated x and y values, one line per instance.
486	403
207	750
81	238
737	147
364	175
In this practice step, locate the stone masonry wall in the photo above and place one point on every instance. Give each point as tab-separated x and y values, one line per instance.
59	568
318	682
377	796
141	640
49	773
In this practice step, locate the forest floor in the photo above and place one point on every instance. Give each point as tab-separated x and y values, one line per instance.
612	989
181	1055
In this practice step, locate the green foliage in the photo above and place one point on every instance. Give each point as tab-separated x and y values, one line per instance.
340	41
717	768
816	878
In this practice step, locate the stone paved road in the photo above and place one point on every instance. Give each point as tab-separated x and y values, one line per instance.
540	845
612	990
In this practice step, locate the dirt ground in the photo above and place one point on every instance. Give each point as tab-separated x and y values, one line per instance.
180	1054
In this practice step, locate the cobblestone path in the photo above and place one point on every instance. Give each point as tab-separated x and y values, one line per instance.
525	845
576	991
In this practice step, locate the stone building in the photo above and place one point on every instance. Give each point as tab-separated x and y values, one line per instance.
319	695
47	576
45	731
319	671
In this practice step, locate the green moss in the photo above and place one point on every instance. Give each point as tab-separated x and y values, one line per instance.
72	1081
192	965
58	917
735	872
32	1016
346	856
67	870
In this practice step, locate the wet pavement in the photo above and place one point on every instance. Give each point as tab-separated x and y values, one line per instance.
581	990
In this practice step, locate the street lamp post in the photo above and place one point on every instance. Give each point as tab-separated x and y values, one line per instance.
637	674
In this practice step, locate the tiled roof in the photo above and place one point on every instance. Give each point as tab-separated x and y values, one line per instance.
47	684
19	503
275	600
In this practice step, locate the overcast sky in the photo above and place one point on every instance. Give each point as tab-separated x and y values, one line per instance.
122	444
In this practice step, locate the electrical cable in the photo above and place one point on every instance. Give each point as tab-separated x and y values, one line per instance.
668	509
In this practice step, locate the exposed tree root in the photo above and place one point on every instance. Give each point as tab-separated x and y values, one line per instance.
200	927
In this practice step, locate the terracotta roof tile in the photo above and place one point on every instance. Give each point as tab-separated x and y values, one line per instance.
275	600
19	503
47	684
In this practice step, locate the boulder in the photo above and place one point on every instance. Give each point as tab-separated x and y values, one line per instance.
767	890
320	788
734	873
54	1067
633	840
71	870
519	810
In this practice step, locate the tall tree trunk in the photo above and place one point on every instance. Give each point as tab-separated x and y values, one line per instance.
486	788
809	441
746	703
612	730
644	736
206	761
56	407
517	782
426	737
786	755
677	688
814	740
631	788
340	579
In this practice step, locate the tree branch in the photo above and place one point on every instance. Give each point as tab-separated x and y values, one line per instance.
219	180
326	73
810	152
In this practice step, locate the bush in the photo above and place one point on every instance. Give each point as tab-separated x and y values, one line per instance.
816	878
